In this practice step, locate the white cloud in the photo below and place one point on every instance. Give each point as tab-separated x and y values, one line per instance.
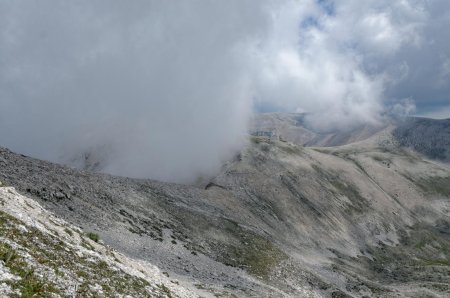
162	83
353	62
168	85
403	108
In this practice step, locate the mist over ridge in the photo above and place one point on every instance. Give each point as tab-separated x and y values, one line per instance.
165	90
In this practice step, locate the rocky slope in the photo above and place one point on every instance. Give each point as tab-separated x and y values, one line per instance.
43	255
368	218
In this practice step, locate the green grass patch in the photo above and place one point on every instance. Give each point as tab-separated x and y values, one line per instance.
93	236
415	259
29	284
436	262
255	140
258	140
436	185
165	290
68	231
251	252
358	202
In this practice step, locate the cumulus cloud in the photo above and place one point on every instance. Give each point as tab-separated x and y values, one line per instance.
339	63
163	89
308	70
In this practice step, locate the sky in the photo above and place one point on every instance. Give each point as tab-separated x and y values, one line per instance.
165	89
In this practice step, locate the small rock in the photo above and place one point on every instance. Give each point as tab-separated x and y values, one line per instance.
59	195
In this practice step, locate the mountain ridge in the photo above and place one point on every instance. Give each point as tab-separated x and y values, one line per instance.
368	218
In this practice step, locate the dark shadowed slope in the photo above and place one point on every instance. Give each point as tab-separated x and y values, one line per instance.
428	136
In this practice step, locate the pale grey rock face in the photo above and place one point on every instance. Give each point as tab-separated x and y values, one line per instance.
45	256
292	127
367	218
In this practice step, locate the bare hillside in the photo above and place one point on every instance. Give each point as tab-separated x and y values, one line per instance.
370	218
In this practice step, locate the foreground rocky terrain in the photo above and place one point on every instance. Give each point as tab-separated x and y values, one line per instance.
370	217
44	255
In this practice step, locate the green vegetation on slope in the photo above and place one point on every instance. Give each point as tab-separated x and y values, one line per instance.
432	185
247	250
422	257
44	263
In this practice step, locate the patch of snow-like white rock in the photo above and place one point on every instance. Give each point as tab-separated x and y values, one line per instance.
5	276
32	214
